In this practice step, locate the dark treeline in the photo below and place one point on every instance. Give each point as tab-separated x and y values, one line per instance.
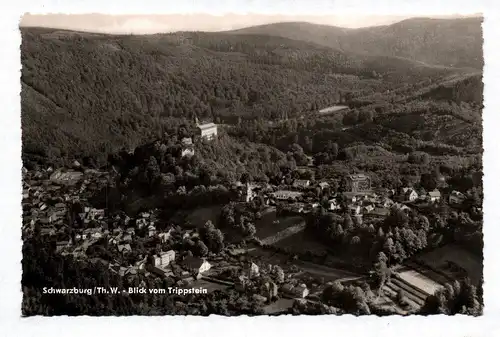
86	94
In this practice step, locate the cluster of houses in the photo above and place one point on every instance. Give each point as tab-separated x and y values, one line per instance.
207	131
266	289
47	195
49	205
359	198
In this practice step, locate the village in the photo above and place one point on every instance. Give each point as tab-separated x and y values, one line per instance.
52	199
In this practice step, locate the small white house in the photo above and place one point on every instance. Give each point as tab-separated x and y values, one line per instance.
333	205
434	196
410	194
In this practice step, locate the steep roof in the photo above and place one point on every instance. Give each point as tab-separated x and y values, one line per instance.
207	126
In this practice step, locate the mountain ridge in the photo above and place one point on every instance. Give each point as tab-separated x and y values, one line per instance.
450	42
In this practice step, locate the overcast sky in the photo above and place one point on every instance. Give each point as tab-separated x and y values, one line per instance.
150	24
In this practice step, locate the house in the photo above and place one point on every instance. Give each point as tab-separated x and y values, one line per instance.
409	194
187	152
141	264
299	291
297	207
236	252
434	196
207	131
158	263
457	197
259	298
241	283
358	182
187	234
379	212
272	289
300	183
248	193
163	259
324	185
197	265
141	223
48	231
60	245
253	271
96	214
286	195
165	236
400	207
386	203
53	217
187	141
368	208
151	230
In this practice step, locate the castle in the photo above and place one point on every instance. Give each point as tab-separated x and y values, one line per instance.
207	130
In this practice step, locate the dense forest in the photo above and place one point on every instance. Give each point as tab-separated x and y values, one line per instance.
89	94
128	104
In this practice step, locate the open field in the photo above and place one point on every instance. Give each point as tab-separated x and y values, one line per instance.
198	217
294	229
419	281
301	242
270	224
313	269
439	259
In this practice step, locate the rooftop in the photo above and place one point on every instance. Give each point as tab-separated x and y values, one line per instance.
357	176
207	126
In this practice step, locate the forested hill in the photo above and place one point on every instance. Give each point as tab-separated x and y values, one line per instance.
86	93
448	42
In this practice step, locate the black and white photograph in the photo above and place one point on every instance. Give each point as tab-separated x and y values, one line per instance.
251	165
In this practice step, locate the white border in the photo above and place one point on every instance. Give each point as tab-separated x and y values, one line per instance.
10	187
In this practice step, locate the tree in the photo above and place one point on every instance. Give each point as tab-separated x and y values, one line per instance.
200	248
429	181
348	223
250	230
389	248
279	274
152	169
381	271
355	240
418	157
245	178
459	298
213	237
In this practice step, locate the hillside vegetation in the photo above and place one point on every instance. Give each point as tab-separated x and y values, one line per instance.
88	94
447	42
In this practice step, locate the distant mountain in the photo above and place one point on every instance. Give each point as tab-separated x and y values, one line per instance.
447	42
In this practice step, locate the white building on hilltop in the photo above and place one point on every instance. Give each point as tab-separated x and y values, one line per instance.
207	130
